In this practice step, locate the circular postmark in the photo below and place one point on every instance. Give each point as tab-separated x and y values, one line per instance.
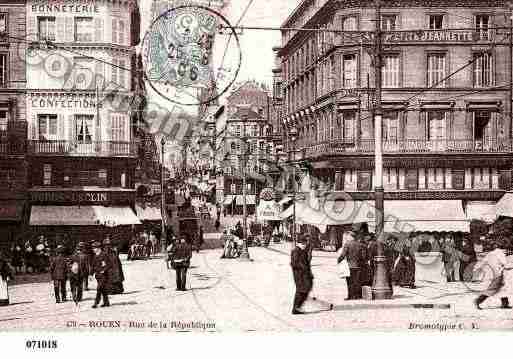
178	55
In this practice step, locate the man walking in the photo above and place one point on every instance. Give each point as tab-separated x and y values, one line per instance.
78	270
58	272
181	260
355	253
302	272
101	270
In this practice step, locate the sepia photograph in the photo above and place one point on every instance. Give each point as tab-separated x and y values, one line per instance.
242	166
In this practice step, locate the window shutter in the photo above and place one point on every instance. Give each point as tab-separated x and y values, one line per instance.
70	33
60	127
72	129
32	126
98	30
423	124
468	121
32	30
99	70
60	34
114	30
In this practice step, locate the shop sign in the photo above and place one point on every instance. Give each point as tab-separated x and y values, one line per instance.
64	103
70	197
429	36
69	7
268	211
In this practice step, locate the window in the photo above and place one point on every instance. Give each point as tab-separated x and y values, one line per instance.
47	127
390	71
118	126
349	23
4	119
82	72
84	29
84	128
47	175
3	69
348	117
482	26
391	126
118	74
3	22
388	22
436	70
436	123
483	65
46	28
118	31
436	22
349	71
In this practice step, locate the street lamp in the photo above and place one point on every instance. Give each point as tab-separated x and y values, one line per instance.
244	254
293	139
163	199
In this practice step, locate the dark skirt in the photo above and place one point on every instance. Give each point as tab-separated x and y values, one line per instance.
404	272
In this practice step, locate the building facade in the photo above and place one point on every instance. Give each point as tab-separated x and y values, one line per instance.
80	112
13	124
447	131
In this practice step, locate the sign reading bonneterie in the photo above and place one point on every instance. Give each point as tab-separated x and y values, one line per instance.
72	7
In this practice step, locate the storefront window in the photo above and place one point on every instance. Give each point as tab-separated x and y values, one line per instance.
46	28
47	127
84	29
4	119
47	175
84	127
3	22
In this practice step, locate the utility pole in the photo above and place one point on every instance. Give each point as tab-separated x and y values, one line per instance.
163	234
380	286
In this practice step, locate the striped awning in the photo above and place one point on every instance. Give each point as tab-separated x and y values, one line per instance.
82	216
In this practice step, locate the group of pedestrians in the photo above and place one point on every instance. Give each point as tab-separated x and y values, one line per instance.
104	265
31	256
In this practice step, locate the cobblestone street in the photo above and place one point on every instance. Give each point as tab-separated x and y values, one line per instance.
228	295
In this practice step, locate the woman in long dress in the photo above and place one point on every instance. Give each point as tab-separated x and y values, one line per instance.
5	275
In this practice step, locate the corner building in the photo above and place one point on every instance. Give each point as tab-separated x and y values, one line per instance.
443	140
13	124
81	74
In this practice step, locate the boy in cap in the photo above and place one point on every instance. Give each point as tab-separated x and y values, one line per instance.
58	272
101	270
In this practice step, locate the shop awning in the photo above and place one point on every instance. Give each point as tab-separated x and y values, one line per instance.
424	216
228	199
483	211
11	211
250	199
504	207
82	216
148	213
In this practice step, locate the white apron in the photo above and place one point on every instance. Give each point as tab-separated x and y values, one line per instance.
4	292
506	291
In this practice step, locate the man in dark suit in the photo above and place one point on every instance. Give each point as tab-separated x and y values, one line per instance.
303	277
101	270
58	271
355	252
181	260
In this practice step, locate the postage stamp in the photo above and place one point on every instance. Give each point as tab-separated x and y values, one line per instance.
285	166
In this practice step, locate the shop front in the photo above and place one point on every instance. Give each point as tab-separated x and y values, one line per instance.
11	222
67	217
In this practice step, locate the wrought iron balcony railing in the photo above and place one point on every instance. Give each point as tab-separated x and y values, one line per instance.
93	149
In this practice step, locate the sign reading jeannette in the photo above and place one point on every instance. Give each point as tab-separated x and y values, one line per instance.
429	36
75	7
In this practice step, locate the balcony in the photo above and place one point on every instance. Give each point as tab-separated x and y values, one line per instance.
366	146
91	149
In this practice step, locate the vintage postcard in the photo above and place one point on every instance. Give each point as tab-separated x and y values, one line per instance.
255	166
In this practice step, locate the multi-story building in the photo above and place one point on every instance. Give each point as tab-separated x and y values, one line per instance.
13	125
80	108
447	131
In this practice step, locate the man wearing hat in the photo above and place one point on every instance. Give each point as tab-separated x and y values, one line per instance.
58	272
84	262
355	253
302	272
181	260
101	270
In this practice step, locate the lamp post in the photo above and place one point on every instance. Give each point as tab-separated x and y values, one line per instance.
293	138
244	254
163	199
380	286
